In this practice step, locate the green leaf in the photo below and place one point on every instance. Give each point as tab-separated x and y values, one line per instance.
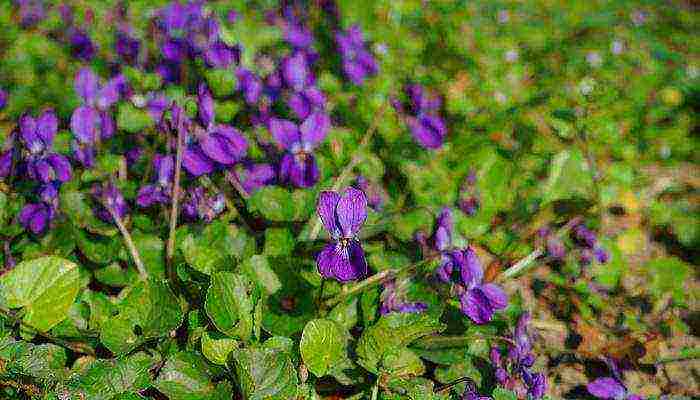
149	310
45	362
322	345
258	269
46	287
230	305
104	379
503	394
278	242
218	242
132	119
568	176
403	362
185	376
215	349
279	204
79	211
151	248
264	373
391	333
669	275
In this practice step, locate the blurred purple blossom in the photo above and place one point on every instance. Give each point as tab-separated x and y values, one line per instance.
298	164
198	204
159	191
479	300
37	135
357	61
109	201
393	299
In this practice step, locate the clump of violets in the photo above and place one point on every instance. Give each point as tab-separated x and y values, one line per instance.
199	204
31	12
514	370
590	247
422	115
92	122
612	388
342	215
479	300
212	145
357	61
298	164
41	164
393	298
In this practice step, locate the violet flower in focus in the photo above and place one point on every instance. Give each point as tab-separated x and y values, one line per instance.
343	216
298	165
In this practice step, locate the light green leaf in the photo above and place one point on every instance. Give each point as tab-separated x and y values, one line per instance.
229	305
215	349
264	374
322	345
46	287
185	376
258	269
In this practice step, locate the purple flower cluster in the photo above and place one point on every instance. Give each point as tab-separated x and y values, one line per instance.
252	177
422	116
585	240
187	30
513	371
393	299
343	216
211	146
110	202
92	122
159	192
479	300
358	63
31	12
40	164
612	388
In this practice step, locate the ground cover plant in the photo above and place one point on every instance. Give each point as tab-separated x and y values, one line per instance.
349	199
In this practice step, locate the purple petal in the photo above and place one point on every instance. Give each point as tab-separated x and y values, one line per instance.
110	93
351	211
285	132
254	177
470	269
107	126
444	271
314	129
164	167
295	71
496	296
476	306
5	163
34	217
83	123
46	127
304	173
299	105
206	105
61	167
86	84
225	146
327	260
195	162
425	136
354	267
327	202
27	128
286	167
354	71
42	170
606	388
220	55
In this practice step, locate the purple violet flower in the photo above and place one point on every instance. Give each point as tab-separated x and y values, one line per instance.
393	299
254	176
480	300
425	123
358	63
110	201
36	217
296	72
31	12
215	143
81	45
298	165
37	136
160	191
376	195
127	47
250	84
343	216
306	101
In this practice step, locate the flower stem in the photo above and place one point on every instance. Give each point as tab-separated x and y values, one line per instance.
316	229
529	260
170	247
129	244
349	290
